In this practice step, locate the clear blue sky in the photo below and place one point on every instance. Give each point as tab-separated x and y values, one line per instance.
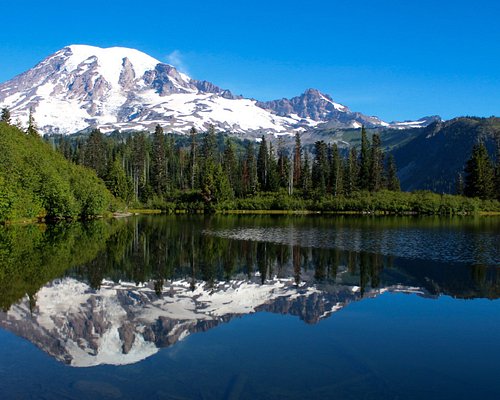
392	58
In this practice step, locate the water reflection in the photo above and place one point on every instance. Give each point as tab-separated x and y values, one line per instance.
115	292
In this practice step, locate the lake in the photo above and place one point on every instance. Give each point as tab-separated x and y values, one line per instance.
251	307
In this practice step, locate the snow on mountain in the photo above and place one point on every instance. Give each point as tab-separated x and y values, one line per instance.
120	88
123	323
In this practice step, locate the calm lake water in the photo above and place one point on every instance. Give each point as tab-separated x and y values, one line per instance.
251	307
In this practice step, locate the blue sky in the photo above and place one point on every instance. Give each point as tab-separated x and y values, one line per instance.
394	59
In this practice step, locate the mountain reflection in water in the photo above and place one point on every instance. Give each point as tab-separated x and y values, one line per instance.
115	292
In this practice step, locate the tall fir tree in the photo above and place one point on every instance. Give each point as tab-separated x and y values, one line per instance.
263	164
392	175
479	174
351	172
376	182
336	171
250	179
230	166
95	153
193	159
159	174
364	162
297	161
320	168
273	177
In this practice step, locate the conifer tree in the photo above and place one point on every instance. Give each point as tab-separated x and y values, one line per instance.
193	159
31	125
479	174
273	178
336	171
230	166
262	164
5	115
95	153
320	169
364	162
497	167
159	163
283	165
376	165
351	172
250	179
392	176
305	177
297	161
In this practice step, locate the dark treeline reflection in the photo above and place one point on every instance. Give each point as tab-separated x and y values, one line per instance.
219	248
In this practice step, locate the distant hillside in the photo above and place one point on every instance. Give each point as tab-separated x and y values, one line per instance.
437	154
36	181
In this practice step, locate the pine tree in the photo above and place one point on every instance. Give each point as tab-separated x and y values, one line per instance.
31	125
273	178
351	172
320	169
479	174
262	164
392	176
193	159
376	182
497	167
283	165
159	162
230	166
118	183
297	161
250	180
364	162
95	153
305	176
336	171
6	116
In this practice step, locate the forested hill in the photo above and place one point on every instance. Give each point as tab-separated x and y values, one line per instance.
436	156
36	181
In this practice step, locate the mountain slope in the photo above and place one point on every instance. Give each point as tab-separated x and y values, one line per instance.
435	157
119	88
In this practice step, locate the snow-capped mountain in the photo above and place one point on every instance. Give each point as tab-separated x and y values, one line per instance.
123	323
119	88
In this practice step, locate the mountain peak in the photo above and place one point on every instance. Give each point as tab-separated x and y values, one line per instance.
82	86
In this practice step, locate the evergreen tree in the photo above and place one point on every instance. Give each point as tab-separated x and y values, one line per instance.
95	153
297	161
159	163
230	166
5	115
249	171
193	159
305	176
320	169
118	183
31	125
392	176
364	162
497	167
479	174
262	164
273	179
351	172
336	172
283	165
376	165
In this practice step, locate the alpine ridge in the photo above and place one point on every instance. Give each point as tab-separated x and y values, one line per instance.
81	87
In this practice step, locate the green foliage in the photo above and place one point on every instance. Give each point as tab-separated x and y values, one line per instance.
38	182
480	174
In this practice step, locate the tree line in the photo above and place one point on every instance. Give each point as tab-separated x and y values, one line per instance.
212	168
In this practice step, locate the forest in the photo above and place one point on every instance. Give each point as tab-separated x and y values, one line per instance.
83	176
